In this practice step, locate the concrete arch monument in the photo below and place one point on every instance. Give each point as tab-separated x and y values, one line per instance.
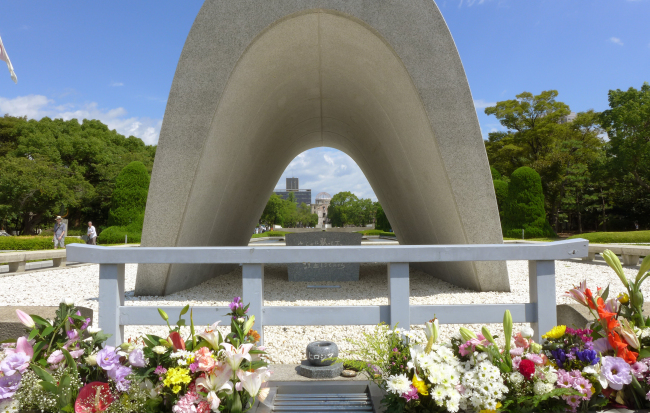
260	81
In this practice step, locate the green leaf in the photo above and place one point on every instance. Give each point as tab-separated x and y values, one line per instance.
236	405
644	353
180	323
185	309
43	374
9	340
47	331
72	365
40	320
605	293
163	314
49	387
32	334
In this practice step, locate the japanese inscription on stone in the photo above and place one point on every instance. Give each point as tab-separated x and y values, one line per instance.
323	271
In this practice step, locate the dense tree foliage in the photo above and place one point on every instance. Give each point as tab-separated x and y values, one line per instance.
287	213
594	168
381	221
347	209
130	197
49	166
524	206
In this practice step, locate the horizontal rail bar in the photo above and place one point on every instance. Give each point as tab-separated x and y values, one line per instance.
575	248
203	316
473	313
326	316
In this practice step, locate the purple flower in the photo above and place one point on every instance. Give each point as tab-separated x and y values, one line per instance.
236	304
194	366
9	385
14	363
73	335
559	356
119	374
77	353
56	357
85	324
136	358
589	356
160	370
639	369
602	346
411	394
616	371
107	358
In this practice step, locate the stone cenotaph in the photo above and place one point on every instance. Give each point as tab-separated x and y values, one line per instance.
323	271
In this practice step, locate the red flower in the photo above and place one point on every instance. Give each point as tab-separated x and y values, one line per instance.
93	397
527	368
177	341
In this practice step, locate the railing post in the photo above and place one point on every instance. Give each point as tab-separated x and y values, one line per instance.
111	297
253	292
398	295
541	278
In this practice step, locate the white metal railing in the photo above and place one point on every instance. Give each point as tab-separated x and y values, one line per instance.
540	311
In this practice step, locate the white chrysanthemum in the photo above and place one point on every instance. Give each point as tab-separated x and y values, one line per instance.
516	378
541	387
550	377
452	406
439	393
398	384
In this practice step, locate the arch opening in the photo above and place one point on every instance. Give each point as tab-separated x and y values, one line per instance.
322	78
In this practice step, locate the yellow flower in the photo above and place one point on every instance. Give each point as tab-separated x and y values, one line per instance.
624	298
492	411
556	332
420	385
175	377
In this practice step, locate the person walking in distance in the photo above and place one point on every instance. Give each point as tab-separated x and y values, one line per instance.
92	234
59	233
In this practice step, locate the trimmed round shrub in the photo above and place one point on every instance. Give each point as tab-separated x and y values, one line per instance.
32	243
495	174
501	192
381	220
115	235
130	197
524	207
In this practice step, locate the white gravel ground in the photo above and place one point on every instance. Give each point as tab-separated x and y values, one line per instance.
287	344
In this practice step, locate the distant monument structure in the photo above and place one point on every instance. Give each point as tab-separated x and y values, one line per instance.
302	195
260	81
321	203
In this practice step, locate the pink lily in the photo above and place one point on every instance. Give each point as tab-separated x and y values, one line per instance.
252	381
22	346
211	335
234	356
25	318
578	293
218	380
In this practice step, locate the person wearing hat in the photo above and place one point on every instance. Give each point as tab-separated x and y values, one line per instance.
59	233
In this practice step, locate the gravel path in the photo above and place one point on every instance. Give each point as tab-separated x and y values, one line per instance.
287	344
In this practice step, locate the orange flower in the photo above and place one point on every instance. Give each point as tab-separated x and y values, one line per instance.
254	335
610	323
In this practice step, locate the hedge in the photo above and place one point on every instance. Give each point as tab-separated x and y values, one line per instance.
614	237
524	207
381	220
270	234
129	198
115	235
501	192
32	243
377	232
495	174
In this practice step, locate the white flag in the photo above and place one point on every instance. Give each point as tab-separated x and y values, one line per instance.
4	56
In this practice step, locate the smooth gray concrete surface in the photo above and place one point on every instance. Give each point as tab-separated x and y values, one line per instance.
260	81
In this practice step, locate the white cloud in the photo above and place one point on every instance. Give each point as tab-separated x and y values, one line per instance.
327	170
470	3
38	106
616	40
117	84
481	104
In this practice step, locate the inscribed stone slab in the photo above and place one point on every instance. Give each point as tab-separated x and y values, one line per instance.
323	271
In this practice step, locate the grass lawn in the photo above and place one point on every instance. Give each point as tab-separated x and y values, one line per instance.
533	239
614	237
270	234
377	232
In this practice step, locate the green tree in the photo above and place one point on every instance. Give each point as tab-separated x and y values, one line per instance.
525	206
343	209
627	123
381	221
130	197
501	192
273	211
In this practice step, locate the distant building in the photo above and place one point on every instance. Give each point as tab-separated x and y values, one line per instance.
320	207
302	195
569	118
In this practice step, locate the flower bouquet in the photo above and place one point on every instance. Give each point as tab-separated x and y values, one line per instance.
606	364
63	365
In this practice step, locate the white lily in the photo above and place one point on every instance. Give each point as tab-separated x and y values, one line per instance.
211	335
252	381
234	356
431	331
218	380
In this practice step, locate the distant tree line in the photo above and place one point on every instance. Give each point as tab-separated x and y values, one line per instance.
287	213
594	169
55	167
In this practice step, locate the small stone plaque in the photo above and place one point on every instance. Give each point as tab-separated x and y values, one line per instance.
323	271
325	372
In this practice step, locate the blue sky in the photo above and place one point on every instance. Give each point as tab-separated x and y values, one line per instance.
115	61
